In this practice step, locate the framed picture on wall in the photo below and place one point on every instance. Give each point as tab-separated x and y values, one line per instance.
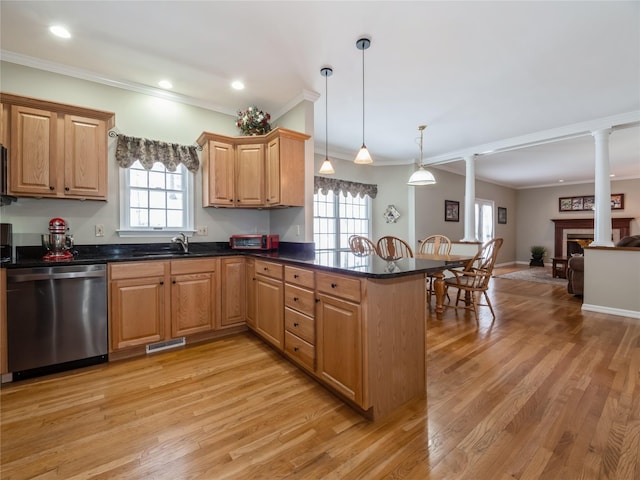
451	211
502	215
587	202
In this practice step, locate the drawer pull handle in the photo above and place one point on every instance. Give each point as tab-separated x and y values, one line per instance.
295	324
295	349
295	299
334	285
295	275
266	269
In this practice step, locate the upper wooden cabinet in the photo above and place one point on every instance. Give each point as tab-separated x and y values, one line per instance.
55	150
253	171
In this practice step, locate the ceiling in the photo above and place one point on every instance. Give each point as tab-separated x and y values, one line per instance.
483	76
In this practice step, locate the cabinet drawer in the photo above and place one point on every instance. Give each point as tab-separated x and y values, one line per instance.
300	351
200	265
299	299
119	271
299	276
300	325
269	269
339	286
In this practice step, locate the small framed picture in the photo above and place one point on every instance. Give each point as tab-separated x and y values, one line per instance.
502	215
565	204
451	211
617	201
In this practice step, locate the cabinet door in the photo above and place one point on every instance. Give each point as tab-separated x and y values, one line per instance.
270	310
136	313
233	288
251	292
272	173
33	155
339	346
192	303
85	157
291	170
218	174
250	175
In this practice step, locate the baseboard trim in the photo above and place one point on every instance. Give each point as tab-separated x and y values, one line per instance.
611	311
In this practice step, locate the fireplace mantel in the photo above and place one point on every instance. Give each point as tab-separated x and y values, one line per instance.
562	224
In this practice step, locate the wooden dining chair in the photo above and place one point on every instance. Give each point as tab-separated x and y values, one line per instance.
473	280
362	246
393	248
434	245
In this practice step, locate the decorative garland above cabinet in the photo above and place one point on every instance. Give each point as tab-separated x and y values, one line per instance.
261	171
55	150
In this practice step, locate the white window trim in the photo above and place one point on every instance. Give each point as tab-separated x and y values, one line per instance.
154	232
369	225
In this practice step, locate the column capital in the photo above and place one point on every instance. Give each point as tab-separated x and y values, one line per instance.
601	132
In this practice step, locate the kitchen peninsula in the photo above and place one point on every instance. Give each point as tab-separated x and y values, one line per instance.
355	324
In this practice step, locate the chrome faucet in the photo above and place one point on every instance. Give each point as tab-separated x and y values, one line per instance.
183	241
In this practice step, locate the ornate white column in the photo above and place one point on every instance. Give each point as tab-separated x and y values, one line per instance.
470	199
602	218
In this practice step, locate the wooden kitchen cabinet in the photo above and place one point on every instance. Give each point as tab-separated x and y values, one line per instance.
253	171
269	315
4	366
56	150
299	316
137	303
251	292
193	296
233	291
340	336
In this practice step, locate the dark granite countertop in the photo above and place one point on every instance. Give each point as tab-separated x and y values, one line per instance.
302	254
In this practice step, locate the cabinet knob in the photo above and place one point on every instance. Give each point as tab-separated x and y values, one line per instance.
174	282
295	275
51	187
295	349
296	324
334	285
238	200
317	300
295	299
231	200
266	269
161	282
66	189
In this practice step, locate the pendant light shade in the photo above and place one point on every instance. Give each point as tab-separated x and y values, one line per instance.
421	176
326	168
363	157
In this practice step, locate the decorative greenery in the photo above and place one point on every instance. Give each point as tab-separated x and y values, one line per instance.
538	251
253	121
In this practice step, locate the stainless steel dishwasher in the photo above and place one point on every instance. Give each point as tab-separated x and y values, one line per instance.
56	318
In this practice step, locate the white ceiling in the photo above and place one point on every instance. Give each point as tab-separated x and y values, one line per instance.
484	76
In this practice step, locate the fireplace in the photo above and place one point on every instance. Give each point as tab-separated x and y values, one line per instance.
583	228
576	243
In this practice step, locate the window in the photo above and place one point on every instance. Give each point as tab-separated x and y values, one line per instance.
484	220
155	202
335	219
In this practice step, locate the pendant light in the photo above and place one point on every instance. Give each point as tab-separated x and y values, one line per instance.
326	168
363	157
421	176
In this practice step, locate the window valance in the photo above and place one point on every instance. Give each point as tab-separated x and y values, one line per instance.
148	152
324	184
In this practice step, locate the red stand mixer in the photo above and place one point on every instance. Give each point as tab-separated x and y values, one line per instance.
57	241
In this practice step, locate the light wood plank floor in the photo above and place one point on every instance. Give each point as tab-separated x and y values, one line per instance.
544	392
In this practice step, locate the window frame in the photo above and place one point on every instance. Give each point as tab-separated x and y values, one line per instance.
491	205
126	230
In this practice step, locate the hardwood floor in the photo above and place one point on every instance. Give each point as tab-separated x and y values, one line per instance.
543	392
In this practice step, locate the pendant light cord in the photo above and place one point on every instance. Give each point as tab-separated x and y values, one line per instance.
363	96
326	116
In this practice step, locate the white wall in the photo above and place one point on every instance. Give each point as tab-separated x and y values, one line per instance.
612	281
537	206
141	116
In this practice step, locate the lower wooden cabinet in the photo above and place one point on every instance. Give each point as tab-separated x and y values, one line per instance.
157	300
137	303
233	291
251	292
269	298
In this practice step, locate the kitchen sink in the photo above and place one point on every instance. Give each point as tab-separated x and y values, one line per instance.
175	253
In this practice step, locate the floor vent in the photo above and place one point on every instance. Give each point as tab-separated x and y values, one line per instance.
157	347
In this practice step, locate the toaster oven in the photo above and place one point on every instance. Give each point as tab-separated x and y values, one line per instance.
254	242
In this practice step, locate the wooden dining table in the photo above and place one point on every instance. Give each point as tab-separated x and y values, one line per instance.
457	261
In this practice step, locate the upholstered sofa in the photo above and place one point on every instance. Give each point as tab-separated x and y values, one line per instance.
575	268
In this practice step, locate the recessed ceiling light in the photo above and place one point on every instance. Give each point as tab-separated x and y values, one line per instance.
560	181
60	31
612	175
165	84
237	85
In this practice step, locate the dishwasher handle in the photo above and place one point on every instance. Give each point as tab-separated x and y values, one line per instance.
28	277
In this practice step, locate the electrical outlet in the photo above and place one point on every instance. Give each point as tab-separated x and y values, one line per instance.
99	230
202	230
